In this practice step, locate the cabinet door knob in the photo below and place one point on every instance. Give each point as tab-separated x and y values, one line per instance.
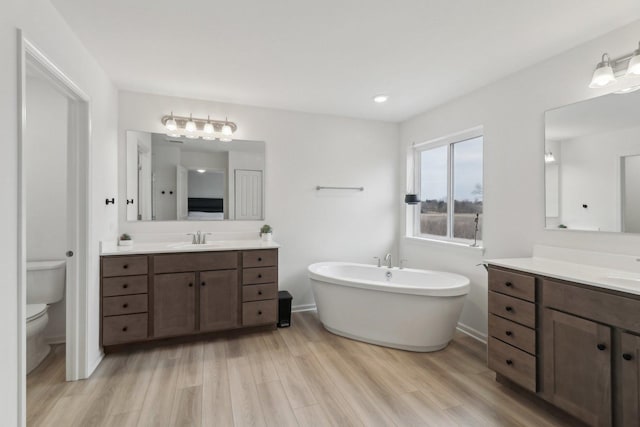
190	285
125	266
124	329
509	362
259	312
602	347
125	286
509	333
259	276
508	284
203	283
259	292
509	308
259	258
627	356
125	305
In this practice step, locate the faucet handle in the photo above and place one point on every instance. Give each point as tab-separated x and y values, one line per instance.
203	239
379	261
402	261
193	240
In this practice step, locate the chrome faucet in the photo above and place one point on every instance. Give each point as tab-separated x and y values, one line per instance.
378	259
387	259
197	237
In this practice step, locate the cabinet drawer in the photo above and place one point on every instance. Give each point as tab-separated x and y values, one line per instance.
259	292
518	366
514	284
261	258
124	266
124	286
603	307
259	312
515	309
123	329
512	333
252	276
195	261
128	304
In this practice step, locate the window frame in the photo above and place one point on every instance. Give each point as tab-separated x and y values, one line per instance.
449	141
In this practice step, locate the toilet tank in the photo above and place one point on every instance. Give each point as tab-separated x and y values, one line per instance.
45	281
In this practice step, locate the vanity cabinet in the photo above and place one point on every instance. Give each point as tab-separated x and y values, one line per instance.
159	296
575	346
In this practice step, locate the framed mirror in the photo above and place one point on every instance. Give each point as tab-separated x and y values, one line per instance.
182	179
592	165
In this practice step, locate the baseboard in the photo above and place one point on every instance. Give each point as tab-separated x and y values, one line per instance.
303	307
473	333
60	339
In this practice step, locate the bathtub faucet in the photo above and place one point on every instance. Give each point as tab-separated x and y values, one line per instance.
387	259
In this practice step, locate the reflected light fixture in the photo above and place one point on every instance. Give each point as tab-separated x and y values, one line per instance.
603	75
201	170
634	63
549	157
379	99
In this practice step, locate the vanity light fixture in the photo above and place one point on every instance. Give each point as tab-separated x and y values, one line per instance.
196	128
624	70
379	99
549	157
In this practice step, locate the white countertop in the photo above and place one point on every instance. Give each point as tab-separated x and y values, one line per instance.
597	276
173	247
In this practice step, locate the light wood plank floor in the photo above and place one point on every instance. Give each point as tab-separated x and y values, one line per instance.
297	376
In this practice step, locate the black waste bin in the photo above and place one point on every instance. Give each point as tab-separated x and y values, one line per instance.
284	309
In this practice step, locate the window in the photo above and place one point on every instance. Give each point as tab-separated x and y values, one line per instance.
448	180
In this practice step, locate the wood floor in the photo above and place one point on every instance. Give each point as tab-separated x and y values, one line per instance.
300	375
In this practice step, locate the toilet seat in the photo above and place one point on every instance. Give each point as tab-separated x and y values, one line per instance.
35	311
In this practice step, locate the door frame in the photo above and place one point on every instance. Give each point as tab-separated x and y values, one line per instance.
78	217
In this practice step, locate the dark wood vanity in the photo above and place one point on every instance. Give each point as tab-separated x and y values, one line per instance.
575	346
160	296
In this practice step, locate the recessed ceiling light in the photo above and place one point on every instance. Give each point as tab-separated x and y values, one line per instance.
379	99
201	170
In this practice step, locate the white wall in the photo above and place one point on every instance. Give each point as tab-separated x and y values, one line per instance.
512	113
206	185
165	159
44	27
302	151
46	181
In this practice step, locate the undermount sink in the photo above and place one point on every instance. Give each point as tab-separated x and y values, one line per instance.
184	245
623	281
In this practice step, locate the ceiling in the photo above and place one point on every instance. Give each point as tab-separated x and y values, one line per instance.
331	56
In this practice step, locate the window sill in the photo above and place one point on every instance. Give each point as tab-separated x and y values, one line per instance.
445	243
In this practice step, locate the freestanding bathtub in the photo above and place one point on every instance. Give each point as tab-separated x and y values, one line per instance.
415	310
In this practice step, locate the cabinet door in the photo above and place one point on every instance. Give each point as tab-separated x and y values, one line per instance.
219	305
630	379
577	366
174	304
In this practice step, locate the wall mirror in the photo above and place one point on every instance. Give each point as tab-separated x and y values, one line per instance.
592	165
182	179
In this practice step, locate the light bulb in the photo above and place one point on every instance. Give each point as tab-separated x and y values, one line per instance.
634	64
226	130
603	75
171	124
190	126
208	127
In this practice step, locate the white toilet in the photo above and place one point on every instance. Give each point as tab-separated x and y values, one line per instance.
45	286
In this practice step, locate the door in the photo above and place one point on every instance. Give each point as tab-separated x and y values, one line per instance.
182	192
577	366
218	300
629	379
174	304
248	194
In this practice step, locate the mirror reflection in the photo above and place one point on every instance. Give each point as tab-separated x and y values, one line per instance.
592	165
177	178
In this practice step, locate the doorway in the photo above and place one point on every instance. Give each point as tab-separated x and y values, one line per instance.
46	86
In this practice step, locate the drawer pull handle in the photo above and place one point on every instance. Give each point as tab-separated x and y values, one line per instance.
509	333
627	356
259	312
259	292
125	266
124	329
125	286
259	276
509	362
509	308
601	347
508	284
203	284
259	258
125	305
190	285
